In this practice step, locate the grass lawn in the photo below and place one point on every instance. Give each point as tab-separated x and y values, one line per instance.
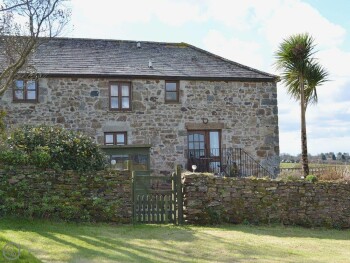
43	241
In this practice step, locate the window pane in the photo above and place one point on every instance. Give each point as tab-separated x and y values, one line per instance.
31	94
214	166
19	84
109	138
214	143
125	103
171	96
170	86
190	145
125	90
114	103
196	154
19	94
114	90
121	139
31	85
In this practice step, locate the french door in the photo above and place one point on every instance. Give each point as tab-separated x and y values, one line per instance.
204	150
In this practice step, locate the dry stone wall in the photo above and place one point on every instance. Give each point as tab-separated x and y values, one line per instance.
209	199
102	196
245	111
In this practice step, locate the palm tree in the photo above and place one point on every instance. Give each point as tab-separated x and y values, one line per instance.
301	74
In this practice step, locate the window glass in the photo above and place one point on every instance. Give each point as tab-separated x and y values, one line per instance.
31	94
214	143
125	103
120	96
25	91
19	84
171	96
125	91
114	90
114	103
115	138
109	139
121	139
19	94
171	91
214	166
30	85
171	86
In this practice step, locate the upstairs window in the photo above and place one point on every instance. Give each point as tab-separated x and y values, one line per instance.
120	96
171	91
25	91
115	138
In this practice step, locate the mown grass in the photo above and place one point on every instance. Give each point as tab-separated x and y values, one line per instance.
43	241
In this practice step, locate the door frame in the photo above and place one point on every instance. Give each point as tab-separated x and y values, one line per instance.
203	162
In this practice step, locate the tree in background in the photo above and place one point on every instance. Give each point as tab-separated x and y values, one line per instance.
22	23
301	74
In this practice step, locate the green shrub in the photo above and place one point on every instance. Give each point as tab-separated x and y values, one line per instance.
41	157
311	178
14	157
2	123
53	147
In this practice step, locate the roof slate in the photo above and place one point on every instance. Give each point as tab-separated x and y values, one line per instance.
120	58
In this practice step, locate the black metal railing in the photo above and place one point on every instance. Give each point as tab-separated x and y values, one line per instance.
230	162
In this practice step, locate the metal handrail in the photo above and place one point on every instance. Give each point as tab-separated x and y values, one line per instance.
231	162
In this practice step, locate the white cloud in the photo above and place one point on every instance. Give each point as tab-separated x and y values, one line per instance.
116	13
245	52
292	17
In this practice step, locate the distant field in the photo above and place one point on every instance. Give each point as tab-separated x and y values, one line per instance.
311	165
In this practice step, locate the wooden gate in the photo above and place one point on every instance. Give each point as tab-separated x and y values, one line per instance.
157	199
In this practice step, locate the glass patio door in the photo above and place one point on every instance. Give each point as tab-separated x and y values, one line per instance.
204	150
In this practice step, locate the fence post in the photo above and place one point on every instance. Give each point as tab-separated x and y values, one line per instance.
179	194
173	197
128	165
133	178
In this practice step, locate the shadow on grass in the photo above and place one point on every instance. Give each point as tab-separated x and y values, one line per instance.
25	256
111	243
158	243
278	230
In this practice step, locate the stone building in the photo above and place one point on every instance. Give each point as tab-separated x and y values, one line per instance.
184	104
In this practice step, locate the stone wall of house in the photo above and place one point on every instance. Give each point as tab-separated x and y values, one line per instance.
103	196
209	199
245	111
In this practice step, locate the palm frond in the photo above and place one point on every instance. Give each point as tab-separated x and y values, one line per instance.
294	58
315	75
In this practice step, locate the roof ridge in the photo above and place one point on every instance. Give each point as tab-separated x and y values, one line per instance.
113	40
232	62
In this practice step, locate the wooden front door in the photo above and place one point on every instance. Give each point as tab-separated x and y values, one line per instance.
204	150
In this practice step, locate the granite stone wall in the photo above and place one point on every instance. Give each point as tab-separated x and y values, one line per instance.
103	196
246	112
209	199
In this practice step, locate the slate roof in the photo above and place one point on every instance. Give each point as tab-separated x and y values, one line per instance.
120	58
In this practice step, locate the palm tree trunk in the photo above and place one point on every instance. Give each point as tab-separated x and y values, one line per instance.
304	155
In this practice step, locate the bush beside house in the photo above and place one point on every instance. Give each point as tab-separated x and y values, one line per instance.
52	147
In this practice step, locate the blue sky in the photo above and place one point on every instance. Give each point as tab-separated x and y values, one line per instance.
247	32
